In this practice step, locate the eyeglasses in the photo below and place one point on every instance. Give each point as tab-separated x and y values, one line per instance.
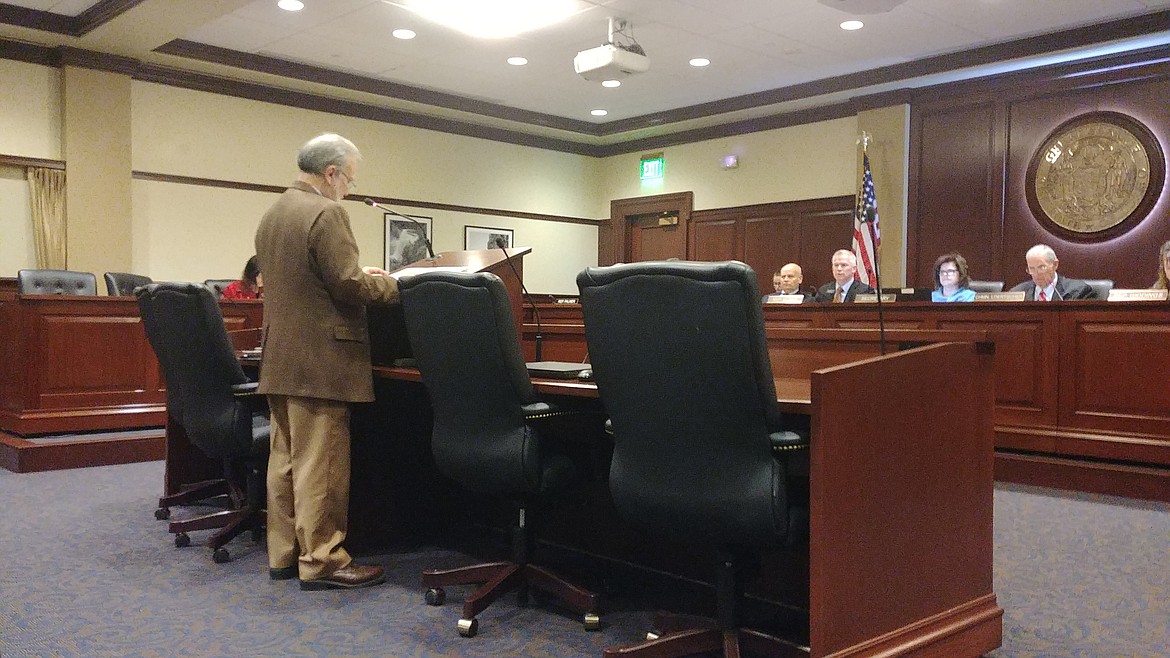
350	183
948	272
1042	267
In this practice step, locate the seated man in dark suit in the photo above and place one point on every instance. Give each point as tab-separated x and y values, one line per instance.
844	287
787	280
1046	285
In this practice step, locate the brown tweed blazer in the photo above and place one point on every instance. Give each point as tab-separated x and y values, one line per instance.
316	341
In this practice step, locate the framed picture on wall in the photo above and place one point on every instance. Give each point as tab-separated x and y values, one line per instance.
406	242
484	237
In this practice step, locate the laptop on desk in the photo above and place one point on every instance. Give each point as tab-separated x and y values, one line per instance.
556	369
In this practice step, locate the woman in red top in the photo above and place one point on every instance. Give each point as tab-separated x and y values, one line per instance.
250	285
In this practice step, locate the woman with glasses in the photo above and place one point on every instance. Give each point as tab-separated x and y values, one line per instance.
951	280
1163	266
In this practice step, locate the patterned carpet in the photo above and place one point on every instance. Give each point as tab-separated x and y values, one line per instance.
88	572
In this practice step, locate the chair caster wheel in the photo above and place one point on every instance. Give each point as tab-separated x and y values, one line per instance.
436	596
221	555
592	621
468	627
182	540
162	513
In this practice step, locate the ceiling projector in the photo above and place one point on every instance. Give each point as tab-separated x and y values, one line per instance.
609	62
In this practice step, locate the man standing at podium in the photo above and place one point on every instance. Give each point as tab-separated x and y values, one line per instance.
315	362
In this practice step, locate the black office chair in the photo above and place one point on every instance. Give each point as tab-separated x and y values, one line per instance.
217	285
1101	287
681	363
56	282
122	284
209	397
490	432
985	286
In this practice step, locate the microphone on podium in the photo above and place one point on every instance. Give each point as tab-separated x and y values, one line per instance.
531	302
422	229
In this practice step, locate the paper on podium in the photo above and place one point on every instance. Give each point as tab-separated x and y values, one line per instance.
411	271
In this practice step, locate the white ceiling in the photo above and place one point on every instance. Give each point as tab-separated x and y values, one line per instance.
754	46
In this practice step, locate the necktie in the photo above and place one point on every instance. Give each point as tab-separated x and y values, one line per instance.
837	295
1043	297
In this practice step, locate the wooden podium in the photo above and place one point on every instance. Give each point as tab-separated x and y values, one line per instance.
388	339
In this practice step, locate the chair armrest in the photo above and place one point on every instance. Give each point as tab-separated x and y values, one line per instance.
788	441
538	410
247	388
255	403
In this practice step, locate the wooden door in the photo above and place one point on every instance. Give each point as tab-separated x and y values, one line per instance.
657	237
663	223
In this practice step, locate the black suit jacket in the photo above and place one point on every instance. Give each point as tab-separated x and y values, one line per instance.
1066	288
825	293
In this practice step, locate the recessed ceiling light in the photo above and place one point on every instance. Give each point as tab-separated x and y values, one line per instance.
599	113
852	25
517	61
291	5
494	20
611	83
403	33
700	61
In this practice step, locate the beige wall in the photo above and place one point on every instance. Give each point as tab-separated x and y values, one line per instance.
16	236
30	110
96	145
203	135
194	232
889	155
192	133
800	162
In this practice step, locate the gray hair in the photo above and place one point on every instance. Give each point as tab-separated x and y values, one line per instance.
324	150
845	252
1042	250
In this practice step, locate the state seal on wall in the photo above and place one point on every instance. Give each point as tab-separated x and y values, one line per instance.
1095	176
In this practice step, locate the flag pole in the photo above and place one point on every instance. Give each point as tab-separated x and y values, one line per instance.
877	253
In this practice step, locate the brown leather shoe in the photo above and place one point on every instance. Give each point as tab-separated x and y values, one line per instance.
351	577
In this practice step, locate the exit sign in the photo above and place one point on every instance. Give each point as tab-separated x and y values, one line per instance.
652	166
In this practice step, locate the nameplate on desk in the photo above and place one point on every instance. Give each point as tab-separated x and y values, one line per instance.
556	369
784	299
411	271
1009	296
1137	295
871	298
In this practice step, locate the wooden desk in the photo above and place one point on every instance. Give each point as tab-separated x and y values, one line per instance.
75	364
899	560
1074	404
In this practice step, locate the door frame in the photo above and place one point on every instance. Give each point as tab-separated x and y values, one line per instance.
613	244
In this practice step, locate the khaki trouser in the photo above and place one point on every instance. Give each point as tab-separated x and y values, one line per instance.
308	485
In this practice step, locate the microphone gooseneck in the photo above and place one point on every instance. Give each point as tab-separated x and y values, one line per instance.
531	302
422	229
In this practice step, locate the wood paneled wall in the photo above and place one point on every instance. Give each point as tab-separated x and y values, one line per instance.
970	146
766	236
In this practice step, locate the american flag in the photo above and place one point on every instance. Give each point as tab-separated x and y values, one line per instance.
866	236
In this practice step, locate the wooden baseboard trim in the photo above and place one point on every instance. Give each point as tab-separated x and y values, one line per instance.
97	419
1128	481
23	456
969	630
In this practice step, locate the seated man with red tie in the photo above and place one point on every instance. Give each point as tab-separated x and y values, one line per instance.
844	287
1046	285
